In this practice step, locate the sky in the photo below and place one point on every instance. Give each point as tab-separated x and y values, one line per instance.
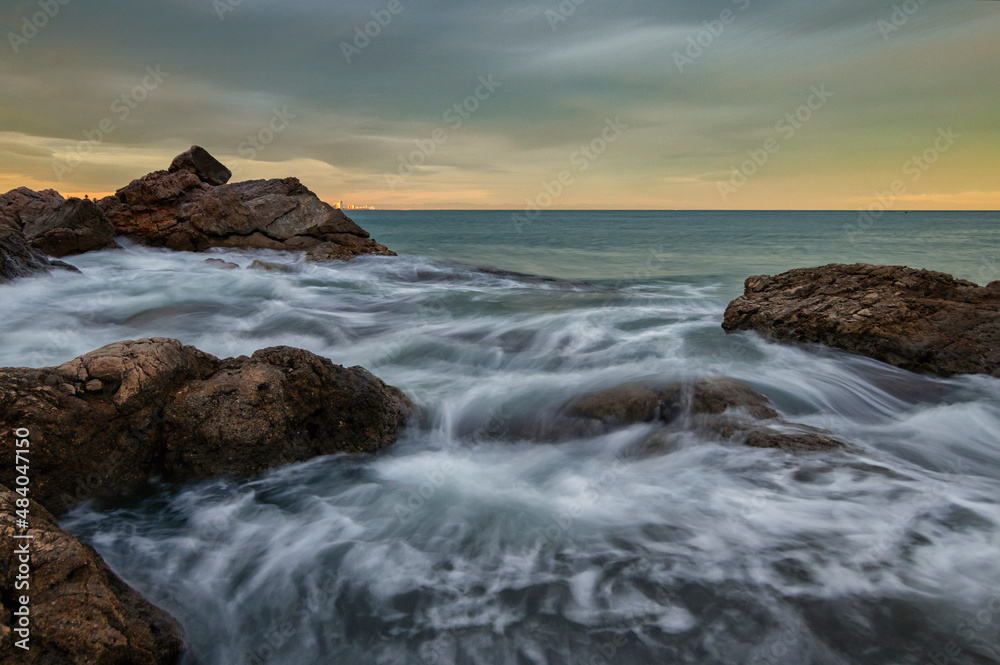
562	104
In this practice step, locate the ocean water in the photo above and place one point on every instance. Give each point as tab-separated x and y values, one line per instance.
464	544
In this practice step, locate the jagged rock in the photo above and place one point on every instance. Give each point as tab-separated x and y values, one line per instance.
712	409
80	611
197	160
167	410
919	320
19	259
59	227
187	209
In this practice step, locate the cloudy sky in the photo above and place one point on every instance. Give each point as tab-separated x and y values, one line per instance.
488	104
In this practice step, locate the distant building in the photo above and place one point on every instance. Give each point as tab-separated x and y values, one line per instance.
340	206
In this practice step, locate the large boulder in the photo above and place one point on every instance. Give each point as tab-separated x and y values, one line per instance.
197	160
106	422
54	225
19	259
79	611
189	207
919	320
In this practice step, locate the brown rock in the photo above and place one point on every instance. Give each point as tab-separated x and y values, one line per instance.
56	226
80	611
712	408
197	160
272	267
919	320
171	411
187	208
635	403
19	259
225	265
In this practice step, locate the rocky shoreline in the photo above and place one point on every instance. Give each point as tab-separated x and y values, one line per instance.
191	206
919	320
105	424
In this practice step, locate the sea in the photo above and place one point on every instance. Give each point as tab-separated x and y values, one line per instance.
466	544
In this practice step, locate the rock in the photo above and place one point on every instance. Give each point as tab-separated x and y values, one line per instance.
56	226
225	265
197	160
634	403
80	611
712	409
272	267
19	259
919	320
171	411
187	208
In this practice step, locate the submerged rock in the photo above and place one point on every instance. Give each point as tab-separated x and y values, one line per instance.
190	207
220	263
714	409
107	422
54	225
80	611
919	320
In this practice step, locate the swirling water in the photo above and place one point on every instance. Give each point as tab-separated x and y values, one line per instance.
464	544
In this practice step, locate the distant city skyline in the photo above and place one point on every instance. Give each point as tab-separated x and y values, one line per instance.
393	104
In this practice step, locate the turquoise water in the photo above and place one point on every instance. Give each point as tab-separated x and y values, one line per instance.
695	247
465	544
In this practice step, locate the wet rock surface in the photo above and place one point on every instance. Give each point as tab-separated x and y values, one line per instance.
19	259
80	611
719	410
107	422
919	320
54	225
192	207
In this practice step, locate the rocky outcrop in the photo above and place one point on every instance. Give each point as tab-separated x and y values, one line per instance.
190	207
198	161
108	421
919	320
708	409
79	611
54	225
19	259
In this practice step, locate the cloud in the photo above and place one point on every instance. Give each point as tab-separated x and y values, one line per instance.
560	80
